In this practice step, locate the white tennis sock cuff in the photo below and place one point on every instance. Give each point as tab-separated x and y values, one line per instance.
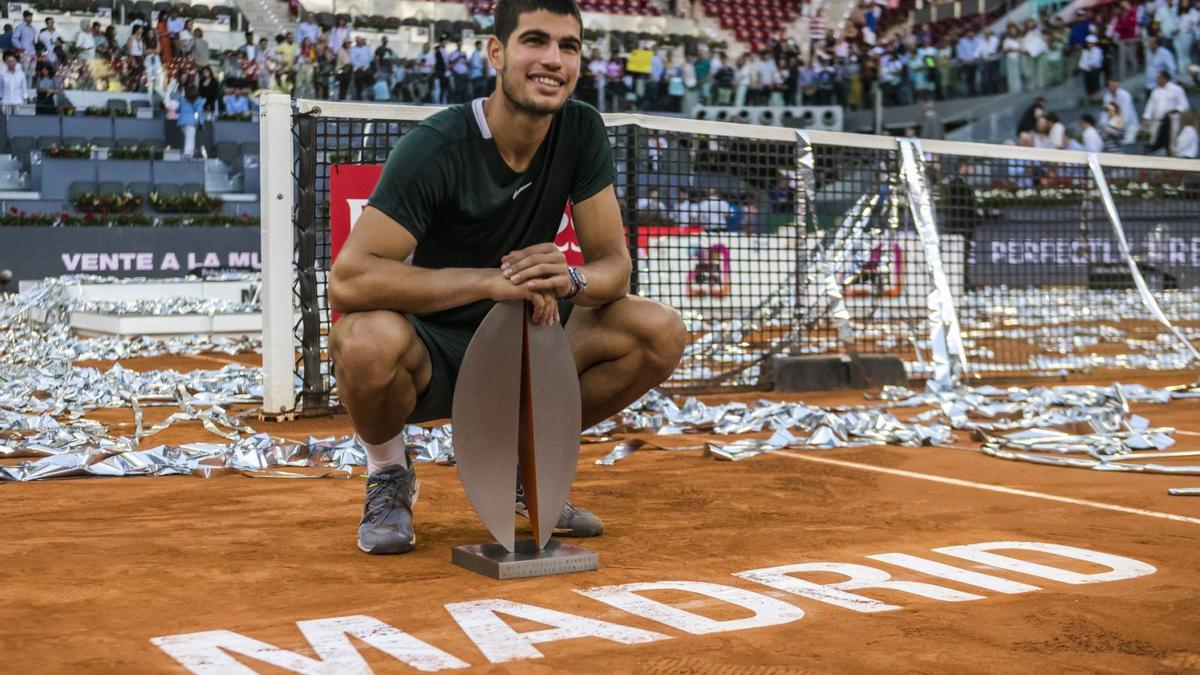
384	455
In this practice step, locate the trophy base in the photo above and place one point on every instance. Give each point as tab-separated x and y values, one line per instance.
493	560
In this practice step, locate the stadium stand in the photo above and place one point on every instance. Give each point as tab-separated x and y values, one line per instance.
99	93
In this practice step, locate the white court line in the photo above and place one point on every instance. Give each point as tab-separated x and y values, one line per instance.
992	488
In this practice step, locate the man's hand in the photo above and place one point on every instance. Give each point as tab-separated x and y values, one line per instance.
541	268
544	304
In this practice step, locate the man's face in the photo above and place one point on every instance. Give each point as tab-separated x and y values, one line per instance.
539	65
49	24
10	61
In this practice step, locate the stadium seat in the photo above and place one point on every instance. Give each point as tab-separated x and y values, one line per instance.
75	140
228	152
77	190
21	147
167	189
44	142
392	23
191	189
102	141
141	104
117	104
128	142
140	188
109	187
250	148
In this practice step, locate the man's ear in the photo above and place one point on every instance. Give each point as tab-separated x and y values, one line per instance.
495	53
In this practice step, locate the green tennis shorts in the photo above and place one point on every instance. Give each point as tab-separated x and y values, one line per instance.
447	345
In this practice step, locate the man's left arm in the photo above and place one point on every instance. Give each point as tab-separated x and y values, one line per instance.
602	240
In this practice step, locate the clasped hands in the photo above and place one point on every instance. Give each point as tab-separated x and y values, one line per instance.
538	274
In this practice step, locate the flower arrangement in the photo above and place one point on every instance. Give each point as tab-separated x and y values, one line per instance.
143	151
196	202
103	204
99	111
69	151
15	217
370	22
1070	195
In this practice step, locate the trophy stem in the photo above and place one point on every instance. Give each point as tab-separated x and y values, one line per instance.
526	455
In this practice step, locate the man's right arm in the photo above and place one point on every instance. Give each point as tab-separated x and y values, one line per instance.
370	274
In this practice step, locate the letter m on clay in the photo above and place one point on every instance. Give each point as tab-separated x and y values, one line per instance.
212	652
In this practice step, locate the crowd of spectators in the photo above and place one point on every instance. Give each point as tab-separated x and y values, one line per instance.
922	63
1167	123
919	64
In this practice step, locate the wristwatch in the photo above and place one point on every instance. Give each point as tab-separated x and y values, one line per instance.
579	282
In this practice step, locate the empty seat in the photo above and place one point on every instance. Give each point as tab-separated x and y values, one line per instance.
140	103
191	189
128	142
228	152
77	190
74	140
110	187
103	141
44	142
167	189
140	188
117	104
250	148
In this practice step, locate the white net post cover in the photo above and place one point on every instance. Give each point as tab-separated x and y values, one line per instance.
277	200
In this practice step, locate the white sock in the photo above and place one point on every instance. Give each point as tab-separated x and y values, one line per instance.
385	455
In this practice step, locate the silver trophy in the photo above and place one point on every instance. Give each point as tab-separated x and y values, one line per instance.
517	408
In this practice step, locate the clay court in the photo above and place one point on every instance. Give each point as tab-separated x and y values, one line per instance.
97	569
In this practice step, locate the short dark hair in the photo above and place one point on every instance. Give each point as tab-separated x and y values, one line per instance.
1091	121
508	13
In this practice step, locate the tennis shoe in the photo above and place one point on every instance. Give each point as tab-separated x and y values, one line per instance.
387	525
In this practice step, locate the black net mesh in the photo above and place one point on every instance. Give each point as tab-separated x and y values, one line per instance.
1045	286
770	247
324	143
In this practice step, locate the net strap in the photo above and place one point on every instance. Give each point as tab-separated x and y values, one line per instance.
1114	220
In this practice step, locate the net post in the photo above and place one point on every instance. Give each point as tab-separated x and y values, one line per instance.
948	356
276	197
1139	281
631	205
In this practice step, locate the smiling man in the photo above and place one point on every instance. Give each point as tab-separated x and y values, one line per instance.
475	195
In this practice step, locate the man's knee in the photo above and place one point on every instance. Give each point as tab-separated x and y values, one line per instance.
664	335
370	348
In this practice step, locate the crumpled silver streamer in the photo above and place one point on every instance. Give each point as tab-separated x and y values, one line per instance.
1075	426
793	425
947	353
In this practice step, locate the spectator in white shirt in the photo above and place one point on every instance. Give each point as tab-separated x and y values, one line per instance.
307	29
12	82
1092	141
1187	143
1091	64
1121	98
85	42
714	212
48	37
651	205
1033	65
685	211
340	35
1167	101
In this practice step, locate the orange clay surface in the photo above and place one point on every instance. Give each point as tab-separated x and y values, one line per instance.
96	568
